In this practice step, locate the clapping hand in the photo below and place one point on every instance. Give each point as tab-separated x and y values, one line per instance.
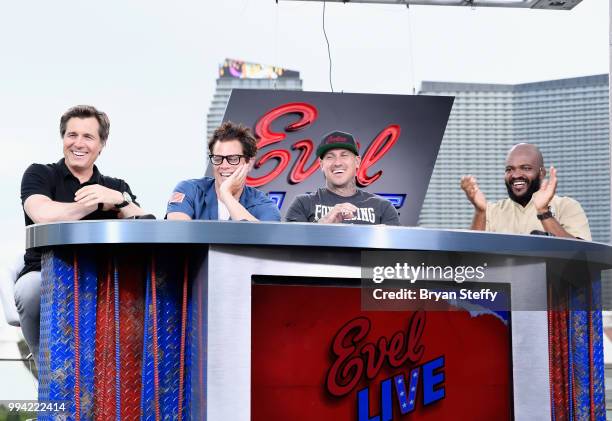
542	197
473	192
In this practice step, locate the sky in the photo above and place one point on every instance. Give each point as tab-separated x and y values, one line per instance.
151	65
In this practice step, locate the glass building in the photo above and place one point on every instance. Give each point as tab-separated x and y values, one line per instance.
567	119
234	74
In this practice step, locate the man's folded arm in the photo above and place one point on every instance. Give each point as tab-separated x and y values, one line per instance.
265	210
236	210
41	209
130	210
178	216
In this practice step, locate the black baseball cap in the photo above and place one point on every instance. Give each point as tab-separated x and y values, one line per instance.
337	140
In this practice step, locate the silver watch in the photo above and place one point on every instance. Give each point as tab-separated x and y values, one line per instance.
127	199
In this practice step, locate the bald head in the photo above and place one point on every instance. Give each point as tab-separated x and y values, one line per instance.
528	153
524	172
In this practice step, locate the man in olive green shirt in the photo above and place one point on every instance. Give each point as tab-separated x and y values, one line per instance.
532	204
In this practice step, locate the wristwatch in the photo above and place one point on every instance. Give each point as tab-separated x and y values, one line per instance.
545	215
127	199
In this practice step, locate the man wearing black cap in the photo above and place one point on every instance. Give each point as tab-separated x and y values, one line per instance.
341	201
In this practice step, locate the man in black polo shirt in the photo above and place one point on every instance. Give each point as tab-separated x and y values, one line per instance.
69	190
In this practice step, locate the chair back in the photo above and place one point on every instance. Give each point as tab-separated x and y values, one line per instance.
8	276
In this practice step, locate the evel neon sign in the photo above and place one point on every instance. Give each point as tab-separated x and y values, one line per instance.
307	114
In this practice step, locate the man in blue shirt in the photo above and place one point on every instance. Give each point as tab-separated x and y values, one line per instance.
226	196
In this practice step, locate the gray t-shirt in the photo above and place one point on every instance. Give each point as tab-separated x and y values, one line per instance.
371	209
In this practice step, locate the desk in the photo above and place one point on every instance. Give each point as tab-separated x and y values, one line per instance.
197	353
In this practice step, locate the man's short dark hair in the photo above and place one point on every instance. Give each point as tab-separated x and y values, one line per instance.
232	131
87	111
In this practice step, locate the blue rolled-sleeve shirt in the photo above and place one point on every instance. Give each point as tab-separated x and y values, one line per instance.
197	198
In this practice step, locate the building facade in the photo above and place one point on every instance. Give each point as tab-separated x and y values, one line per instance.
234	74
567	119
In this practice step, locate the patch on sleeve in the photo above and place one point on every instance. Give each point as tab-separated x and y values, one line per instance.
177	197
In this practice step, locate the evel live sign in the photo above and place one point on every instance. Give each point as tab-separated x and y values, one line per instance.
398	135
316	355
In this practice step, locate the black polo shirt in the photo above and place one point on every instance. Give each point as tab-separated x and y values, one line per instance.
57	183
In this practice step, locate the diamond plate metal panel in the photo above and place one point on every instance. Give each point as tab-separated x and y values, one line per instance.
88	289
57	352
105	348
131	297
97	336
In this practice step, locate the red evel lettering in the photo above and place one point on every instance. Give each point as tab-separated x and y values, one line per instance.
381	144
353	361
263	131
300	171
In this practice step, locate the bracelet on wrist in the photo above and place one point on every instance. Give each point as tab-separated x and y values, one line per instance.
545	215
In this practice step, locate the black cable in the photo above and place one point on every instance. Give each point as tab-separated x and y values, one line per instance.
328	50
410	50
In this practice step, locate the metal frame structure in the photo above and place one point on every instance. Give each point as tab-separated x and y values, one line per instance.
526	4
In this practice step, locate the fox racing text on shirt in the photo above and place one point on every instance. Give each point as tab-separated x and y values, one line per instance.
362	214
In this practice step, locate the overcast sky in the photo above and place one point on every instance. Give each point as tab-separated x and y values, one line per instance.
152	65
